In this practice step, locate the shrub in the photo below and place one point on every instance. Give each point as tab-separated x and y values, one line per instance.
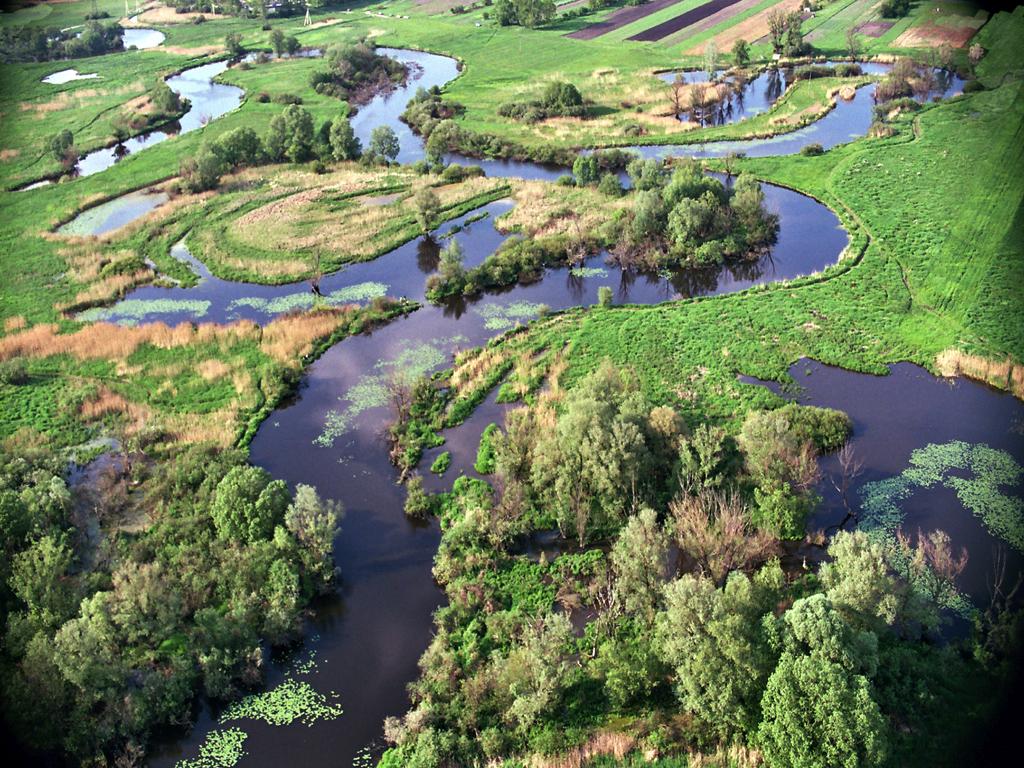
604	296
811	150
441	463
13	371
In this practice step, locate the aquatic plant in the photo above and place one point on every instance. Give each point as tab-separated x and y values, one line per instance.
588	272
289	702
441	463
371	391
135	310
934	464
501	317
220	749
306	300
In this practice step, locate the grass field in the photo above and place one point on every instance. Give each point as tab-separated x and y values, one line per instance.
938	217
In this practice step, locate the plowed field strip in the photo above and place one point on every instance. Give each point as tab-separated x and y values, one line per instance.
671	26
620	19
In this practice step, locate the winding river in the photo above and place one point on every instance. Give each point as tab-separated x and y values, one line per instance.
368	636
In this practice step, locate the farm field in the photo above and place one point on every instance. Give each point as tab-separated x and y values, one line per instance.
511	383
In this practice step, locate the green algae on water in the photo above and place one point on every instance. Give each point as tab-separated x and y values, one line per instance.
501	317
140	309
307	300
291	701
588	272
220	749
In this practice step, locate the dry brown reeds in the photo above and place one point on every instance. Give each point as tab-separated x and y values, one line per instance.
107	341
1004	374
291	337
601	744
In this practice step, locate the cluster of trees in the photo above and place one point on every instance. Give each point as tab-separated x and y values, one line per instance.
107	637
689	612
293	137
356	72
40	44
559	99
785	30
428	111
908	79
688	218
894	9
524	13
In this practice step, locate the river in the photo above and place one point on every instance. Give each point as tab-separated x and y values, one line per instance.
368	636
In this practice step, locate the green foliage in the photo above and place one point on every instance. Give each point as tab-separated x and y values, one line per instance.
441	463
485	456
344	142
203	170
384	145
248	504
289	702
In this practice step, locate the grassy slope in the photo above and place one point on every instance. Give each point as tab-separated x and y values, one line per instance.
910	194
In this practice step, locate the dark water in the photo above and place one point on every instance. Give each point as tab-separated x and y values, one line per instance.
897	414
810	239
369	635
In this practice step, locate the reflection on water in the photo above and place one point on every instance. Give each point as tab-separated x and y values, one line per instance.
905	411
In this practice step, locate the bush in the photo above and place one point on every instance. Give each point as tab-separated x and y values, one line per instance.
973	86
441	463
604	296
610	185
418	504
812	149
13	371
485	455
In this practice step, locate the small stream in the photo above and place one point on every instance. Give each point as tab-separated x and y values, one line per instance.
368	636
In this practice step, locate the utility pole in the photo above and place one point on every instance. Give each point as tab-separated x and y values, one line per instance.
308	22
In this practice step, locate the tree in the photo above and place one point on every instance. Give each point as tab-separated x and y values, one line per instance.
427	206
292	45
677	93
852	42
248	504
277	41
640	562
40	578
240	146
277	138
203	170
443	139
594	465
586	170
975	54
300	134
233	44
741	52
610	185
713	529
777	27
314	524
165	100
281	596
794	43
62	147
450	262
383	144
784	469
710	58
344	142
714	640
604	296
818	708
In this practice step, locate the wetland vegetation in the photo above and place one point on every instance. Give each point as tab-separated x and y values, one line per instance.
414	383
